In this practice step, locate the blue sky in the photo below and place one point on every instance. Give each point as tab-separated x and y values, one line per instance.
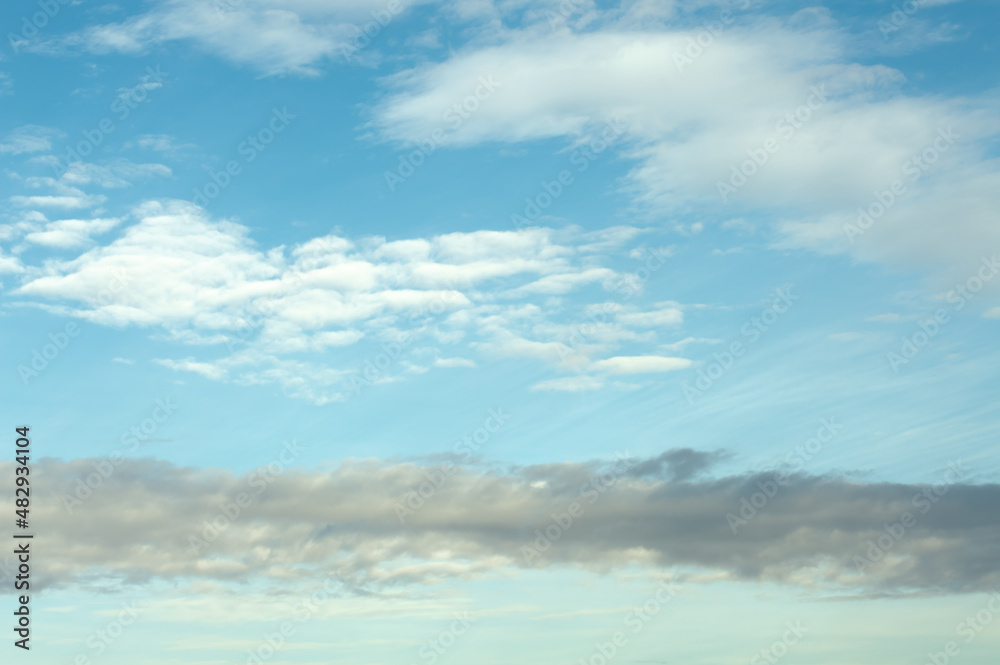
688	233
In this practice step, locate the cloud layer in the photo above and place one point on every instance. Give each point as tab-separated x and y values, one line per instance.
401	523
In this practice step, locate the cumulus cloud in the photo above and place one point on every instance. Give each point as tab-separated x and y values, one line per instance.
152	519
204	282
10	264
66	193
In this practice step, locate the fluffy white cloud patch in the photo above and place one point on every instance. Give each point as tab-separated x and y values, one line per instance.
253	312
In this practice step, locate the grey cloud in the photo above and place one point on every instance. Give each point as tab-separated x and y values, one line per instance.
678	465
138	523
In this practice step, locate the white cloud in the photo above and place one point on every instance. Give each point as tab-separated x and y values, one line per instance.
65	233
454	362
10	264
570	384
506	344
29	138
679	345
207	370
564	283
162	143
65	193
687	129
640	364
65	202
338	337
205	283
120	173
663	317
273	36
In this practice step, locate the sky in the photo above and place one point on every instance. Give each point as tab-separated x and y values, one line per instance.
481	331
